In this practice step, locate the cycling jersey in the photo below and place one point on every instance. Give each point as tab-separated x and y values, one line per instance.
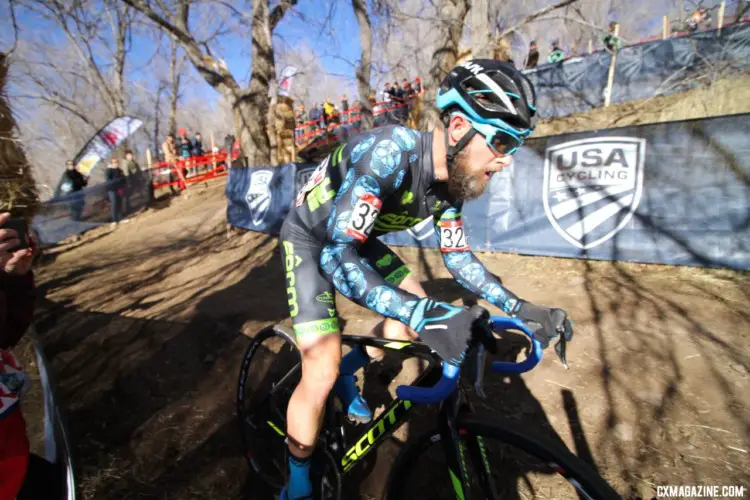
379	182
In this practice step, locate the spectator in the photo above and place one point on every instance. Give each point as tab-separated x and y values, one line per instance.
344	103
315	115
77	182
344	108
700	19
557	53
612	42
185	148
533	58
131	169
197	145
198	165
115	190
397	93
129	165
23	475
387	92
328	111
418	85
169	150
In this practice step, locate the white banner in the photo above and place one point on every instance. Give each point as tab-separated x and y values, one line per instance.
285	83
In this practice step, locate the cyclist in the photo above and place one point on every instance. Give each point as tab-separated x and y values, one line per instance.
387	180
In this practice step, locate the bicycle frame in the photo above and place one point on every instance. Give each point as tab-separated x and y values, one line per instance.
398	412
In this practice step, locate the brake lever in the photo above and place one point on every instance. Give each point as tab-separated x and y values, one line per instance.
478	379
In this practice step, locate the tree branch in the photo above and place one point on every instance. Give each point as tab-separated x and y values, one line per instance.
531	17
277	14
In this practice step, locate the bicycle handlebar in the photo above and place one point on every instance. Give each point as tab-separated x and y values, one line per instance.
449	380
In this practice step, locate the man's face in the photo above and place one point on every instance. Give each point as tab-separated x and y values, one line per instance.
70	165
171	138
129	156
198	136
474	166
533	46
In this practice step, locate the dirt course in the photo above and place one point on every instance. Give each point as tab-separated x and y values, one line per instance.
146	326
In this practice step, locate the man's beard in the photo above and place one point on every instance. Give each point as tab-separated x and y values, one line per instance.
461	184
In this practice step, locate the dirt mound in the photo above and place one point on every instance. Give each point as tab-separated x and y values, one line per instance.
727	96
146	325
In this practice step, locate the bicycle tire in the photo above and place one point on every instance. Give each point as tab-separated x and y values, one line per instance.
558	458
263	444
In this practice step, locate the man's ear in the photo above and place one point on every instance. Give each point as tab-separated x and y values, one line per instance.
458	126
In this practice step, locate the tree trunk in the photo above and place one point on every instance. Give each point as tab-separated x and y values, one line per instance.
481	31
364	69
174	93
250	109
452	14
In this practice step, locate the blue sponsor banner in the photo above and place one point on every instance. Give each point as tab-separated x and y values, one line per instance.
670	193
88	208
258	198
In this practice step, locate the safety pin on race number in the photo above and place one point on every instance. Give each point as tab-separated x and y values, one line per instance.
363	216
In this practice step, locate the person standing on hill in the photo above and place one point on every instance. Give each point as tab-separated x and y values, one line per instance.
557	53
533	58
115	190
77	182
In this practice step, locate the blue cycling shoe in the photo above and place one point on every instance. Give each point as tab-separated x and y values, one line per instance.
352	401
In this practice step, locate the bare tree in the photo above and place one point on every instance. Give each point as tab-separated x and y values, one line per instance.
175	79
481	29
451	16
364	68
250	105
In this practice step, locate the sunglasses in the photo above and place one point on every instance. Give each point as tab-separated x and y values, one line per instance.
502	143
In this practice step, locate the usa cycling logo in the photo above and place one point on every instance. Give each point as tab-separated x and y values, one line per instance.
259	195
592	187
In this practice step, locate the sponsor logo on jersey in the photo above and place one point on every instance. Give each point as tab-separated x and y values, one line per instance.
291	262
396	222
325	298
407	198
592	187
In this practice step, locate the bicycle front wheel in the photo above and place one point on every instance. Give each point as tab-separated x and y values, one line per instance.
500	461
271	369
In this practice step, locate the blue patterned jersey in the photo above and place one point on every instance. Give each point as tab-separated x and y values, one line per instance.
379	182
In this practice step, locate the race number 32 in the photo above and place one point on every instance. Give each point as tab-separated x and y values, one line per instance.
363	216
452	236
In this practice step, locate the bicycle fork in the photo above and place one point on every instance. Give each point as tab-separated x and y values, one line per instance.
457	445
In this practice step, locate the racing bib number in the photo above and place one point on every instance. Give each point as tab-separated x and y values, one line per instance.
316	178
363	216
452	236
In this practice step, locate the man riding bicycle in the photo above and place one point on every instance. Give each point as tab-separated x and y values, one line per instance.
387	180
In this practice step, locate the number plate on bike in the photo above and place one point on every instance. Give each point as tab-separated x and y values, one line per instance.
363	216
452	236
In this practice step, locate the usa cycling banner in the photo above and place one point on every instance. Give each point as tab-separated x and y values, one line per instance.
258	198
670	193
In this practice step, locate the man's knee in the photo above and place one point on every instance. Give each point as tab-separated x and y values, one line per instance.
320	368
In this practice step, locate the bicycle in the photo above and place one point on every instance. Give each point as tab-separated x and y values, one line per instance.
262	418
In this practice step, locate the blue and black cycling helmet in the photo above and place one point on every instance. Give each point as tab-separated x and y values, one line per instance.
495	97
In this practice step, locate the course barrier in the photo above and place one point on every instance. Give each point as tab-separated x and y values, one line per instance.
670	193
654	68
